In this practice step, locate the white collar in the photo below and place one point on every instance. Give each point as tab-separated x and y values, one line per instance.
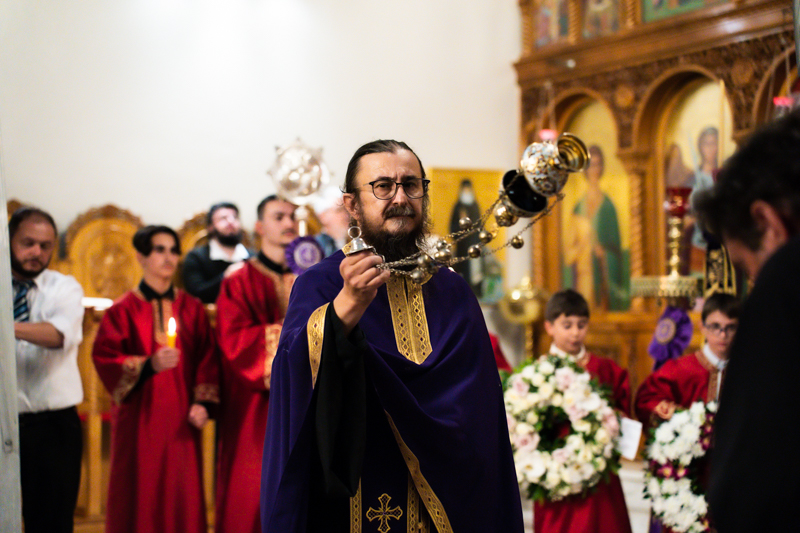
713	359
217	253
555	350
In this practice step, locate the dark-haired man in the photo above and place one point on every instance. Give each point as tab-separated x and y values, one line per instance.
754	207
386	409
250	310
162	386
48	318
204	266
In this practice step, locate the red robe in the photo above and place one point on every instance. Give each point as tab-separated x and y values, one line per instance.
155	483
688	379
250	309
603	510
684	380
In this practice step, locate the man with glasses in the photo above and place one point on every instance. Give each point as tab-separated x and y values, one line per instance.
386	410
693	377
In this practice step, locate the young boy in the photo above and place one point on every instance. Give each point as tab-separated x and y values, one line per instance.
696	376
692	377
603	510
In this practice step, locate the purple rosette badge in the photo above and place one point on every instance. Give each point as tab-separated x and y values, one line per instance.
672	335
303	253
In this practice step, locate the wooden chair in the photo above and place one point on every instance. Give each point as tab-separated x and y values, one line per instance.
100	253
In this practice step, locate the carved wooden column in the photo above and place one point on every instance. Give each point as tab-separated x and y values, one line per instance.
636	164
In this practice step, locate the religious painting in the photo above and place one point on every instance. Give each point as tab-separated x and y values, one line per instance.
697	138
552	22
459	193
661	9
595	218
600	17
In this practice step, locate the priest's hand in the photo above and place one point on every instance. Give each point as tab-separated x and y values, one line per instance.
665	409
165	358
198	415
361	282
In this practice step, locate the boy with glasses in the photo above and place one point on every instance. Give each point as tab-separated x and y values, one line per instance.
693	377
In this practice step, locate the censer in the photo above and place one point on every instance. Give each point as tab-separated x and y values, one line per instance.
531	191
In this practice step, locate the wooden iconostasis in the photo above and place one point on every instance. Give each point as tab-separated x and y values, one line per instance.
661	91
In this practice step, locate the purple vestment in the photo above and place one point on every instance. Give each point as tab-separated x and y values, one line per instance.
435	427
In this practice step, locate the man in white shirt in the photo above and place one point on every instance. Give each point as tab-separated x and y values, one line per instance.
205	266
48	317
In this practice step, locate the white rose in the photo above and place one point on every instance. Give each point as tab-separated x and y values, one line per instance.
527	372
524	429
557	400
582	426
546	367
602	436
552	479
532	418
601	464
546	390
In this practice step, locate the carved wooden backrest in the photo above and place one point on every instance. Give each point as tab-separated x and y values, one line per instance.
100	251
193	233
12	205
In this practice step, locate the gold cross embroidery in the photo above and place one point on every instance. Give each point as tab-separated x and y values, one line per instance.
384	513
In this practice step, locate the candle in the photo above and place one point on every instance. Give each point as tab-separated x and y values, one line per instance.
172	332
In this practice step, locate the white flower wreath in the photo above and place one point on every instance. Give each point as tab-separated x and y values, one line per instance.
671	479
563	430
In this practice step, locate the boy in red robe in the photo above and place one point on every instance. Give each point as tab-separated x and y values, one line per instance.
603	509
694	377
162	389
250	309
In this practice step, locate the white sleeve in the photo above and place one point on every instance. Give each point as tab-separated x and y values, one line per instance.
64	310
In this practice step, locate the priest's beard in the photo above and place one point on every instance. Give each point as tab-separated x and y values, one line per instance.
227	240
399	245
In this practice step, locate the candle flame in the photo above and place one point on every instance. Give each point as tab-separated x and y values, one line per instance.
172	327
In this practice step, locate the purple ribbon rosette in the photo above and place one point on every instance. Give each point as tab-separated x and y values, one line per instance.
672	335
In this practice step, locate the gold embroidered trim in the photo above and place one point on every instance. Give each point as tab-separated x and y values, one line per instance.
355	511
206	392
316	332
131	369
283	282
432	503
272	334
417	521
160	329
409	319
713	376
384	513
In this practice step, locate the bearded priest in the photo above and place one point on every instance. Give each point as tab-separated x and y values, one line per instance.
386	408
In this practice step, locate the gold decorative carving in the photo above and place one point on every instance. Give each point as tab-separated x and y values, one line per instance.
742	71
624	96
100	251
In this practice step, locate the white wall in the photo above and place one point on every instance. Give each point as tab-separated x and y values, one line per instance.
165	106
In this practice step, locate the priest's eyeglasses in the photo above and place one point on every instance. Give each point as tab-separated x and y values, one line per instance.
717	329
386	189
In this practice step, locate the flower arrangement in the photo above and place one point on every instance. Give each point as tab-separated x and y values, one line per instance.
563	430
674	454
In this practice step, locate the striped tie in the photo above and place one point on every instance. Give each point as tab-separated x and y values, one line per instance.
21	311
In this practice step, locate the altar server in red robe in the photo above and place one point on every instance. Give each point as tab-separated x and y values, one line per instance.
694	377
603	510
162	386
250	310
